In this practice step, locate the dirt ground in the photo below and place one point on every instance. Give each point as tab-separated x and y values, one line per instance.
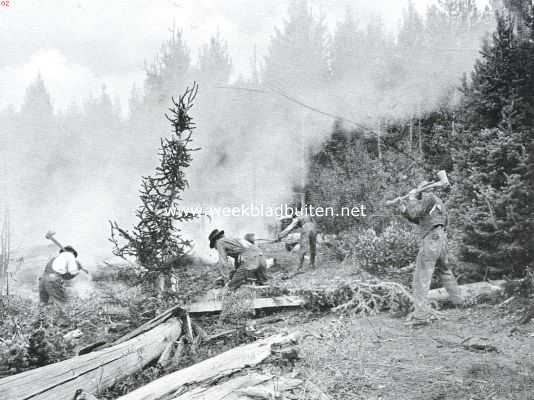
476	353
380	357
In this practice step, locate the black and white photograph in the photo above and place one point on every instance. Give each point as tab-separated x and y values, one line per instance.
267	200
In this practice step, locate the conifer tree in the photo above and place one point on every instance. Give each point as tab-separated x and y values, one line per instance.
156	240
298	53
493	198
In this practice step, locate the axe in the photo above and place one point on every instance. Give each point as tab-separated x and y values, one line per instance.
50	236
442	182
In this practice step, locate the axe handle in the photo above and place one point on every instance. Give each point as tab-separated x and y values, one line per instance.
429	186
53	239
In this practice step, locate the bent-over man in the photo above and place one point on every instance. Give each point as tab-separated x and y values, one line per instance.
249	262
60	268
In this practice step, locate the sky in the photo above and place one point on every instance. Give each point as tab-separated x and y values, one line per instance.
80	46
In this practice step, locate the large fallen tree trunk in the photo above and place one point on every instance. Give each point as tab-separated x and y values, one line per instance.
471	292
175	311
212	369
92	372
210	307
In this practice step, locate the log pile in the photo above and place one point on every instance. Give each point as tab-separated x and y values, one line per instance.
94	371
201	379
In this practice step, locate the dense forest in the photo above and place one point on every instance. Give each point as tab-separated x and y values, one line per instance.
350	115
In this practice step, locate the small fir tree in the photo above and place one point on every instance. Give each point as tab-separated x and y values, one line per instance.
156	240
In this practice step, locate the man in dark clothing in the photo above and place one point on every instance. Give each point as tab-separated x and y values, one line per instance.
249	262
60	268
429	212
308	237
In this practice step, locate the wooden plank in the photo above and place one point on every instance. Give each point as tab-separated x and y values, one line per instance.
470	291
209	307
216	367
91	372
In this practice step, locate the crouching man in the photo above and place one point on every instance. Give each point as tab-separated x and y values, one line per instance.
60	268
249	262
429	212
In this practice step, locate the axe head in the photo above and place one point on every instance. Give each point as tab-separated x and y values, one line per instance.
443	179
49	234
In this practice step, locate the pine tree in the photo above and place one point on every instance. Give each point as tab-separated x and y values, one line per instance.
156	241
493	199
298	53
214	62
347	48
37	102
411	34
494	210
168	72
495	77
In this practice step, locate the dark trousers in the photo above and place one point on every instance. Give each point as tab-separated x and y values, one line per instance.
52	288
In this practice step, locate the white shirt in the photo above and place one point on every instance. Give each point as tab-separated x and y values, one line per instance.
65	263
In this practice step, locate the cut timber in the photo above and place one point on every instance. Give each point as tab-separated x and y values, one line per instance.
470	292
243	388
209	307
211	369
91	372
175	311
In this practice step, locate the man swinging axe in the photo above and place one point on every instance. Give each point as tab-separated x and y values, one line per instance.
429	212
308	237
60	268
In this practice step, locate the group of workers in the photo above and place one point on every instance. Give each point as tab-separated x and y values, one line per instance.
426	210
249	261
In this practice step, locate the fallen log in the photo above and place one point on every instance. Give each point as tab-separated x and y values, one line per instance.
211	307
214	368
175	311
253	385
471	292
92	372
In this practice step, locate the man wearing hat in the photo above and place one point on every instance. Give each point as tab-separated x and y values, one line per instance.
249	262
429	212
308	237
60	268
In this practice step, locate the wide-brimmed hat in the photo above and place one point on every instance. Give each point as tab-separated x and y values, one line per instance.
214	236
69	249
250	237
